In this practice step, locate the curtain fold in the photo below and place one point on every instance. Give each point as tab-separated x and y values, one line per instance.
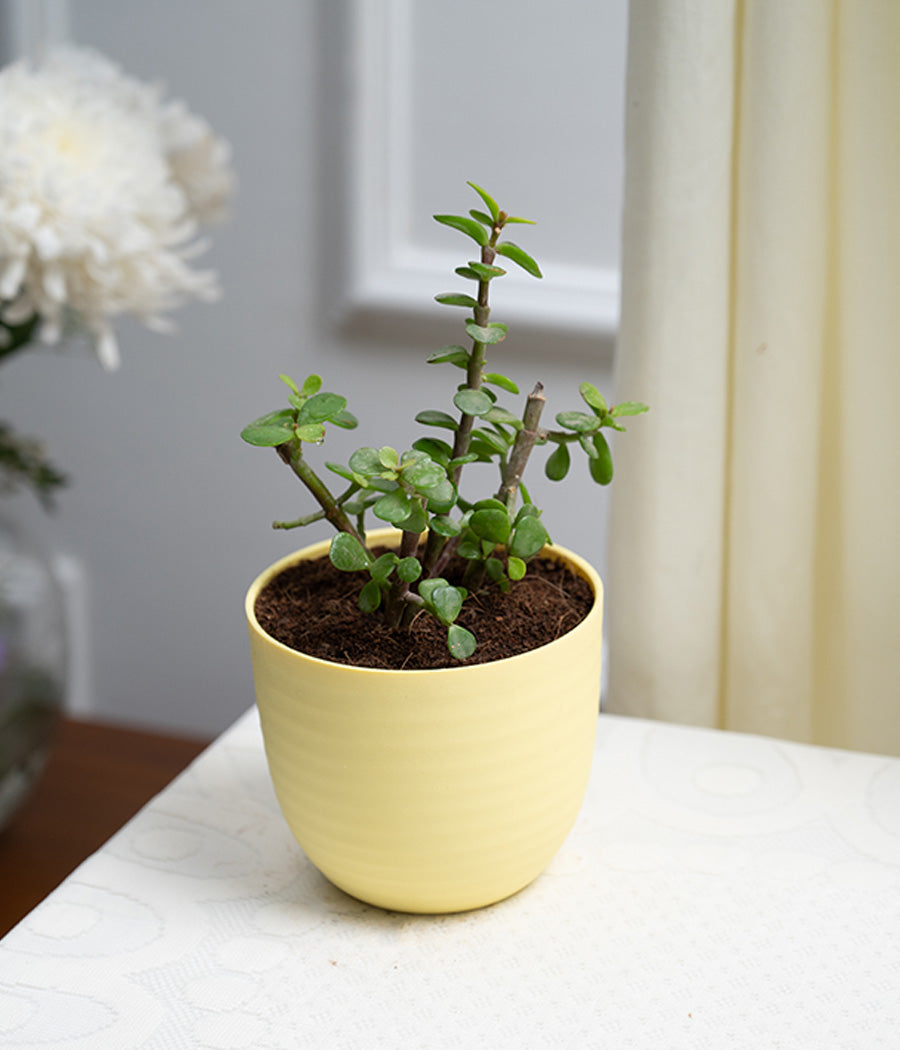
754	578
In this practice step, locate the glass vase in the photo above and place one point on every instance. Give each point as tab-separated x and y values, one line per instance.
32	664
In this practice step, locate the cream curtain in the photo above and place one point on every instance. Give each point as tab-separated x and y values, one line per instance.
754	578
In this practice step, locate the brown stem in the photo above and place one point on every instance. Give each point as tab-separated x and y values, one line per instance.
524	443
398	612
440	563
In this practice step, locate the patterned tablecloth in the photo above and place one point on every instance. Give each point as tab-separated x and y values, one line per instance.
718	891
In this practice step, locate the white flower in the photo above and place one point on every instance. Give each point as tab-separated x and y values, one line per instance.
102	187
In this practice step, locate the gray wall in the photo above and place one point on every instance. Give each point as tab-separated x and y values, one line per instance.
351	124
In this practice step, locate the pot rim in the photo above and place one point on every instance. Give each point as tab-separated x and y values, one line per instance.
314	550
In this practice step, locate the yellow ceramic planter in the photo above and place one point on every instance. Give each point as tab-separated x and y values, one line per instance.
430	791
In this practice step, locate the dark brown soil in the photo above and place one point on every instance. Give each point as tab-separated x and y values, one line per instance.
312	607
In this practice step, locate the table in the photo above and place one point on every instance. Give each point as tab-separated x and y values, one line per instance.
718	890
98	776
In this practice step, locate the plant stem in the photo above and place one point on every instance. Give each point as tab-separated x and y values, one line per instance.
522	447
444	556
397	611
436	545
308	519
291	452
476	358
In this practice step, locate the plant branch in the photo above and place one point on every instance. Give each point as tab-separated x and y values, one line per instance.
308	519
476	358
291	452
396	608
522	447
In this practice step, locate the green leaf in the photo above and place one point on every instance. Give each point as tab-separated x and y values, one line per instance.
469	227
432	418
311	432
370	597
280	415
495	442
409	569
484	452
495	569
489	201
424	474
518	219
472	402
393	507
440	498
489	334
528	510
347	553
288	382
266	435
456	299
593	398
439	450
455	355
529	537
383	566
557	465
446	603
415	521
602	467
461	461
516	568
519	257
311	385
467	272
500	415
388	457
366	461
321	407
428	587
587	443
491	524
346	420
445	526
343	472
485	272
490	504
469	548
629	408
495	379
484	219
460	642
577	421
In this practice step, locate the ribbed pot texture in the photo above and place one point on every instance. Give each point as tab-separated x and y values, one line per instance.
430	791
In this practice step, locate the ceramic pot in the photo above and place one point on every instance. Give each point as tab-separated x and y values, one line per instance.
430	791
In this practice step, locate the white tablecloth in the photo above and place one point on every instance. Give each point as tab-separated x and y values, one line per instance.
718	891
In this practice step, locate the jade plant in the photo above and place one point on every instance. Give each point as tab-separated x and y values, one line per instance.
420	491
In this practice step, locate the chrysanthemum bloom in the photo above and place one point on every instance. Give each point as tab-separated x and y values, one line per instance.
102	188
